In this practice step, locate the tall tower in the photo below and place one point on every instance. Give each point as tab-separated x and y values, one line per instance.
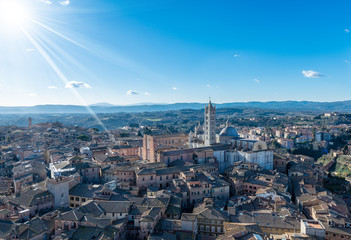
210	124
29	122
59	188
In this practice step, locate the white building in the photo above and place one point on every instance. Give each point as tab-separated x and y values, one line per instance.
246	150
252	151
61	168
312	228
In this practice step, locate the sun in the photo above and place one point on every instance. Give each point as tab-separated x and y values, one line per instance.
14	12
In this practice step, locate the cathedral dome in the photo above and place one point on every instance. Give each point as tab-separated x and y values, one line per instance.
228	131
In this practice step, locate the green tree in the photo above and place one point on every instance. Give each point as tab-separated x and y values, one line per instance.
147	131
83	138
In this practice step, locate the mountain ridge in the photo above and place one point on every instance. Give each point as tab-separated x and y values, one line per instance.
336	106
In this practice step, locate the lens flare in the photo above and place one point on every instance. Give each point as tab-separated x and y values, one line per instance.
14	13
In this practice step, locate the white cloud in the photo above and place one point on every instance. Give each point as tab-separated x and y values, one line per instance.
347	61
46	1
208	86
30	50
52	87
75	84
175	88
311	74
147	93
236	55
347	30
65	2
32	94
132	92
257	80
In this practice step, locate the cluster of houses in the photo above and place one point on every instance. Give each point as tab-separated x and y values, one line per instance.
67	182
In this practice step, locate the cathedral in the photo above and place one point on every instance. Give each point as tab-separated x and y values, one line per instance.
238	149
204	136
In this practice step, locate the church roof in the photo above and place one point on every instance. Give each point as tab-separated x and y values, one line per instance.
229	132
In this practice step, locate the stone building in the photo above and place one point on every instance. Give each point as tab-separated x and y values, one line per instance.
312	228
59	189
153	143
252	151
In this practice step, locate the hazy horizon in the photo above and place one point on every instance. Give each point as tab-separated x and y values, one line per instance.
97	104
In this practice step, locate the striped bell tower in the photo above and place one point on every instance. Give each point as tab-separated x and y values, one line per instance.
210	124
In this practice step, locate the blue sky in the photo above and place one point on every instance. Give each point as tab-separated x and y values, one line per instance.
127	52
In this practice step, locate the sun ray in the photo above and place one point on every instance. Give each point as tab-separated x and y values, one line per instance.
58	34
61	75
105	55
54	49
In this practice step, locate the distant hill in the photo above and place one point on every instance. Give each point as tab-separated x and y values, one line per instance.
102	104
293	106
